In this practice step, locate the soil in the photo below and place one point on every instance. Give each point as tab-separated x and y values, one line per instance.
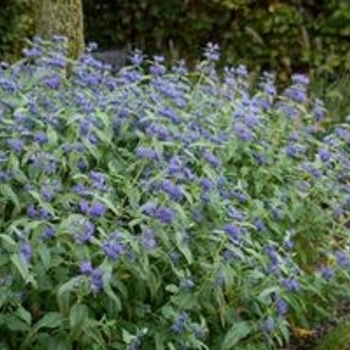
312	342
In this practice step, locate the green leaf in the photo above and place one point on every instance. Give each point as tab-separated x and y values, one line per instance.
24	315
92	149
267	292
171	346
9	194
108	290
78	316
172	288
159	340
237	332
15	324
185	250
6	238
127	337
50	342
63	293
52	135
187	301
45	256
22	268
50	320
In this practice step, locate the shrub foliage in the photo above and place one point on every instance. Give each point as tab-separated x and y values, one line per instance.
165	208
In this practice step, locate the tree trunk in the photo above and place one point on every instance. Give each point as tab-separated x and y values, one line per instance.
61	17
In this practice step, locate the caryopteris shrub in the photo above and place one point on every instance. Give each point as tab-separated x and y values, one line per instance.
165	209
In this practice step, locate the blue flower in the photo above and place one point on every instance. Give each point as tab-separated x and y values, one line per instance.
49	190
80	189
48	233
40	137
324	155
147	153
92	46
113	249
291	111
296	94
268	325
234	232
212	159
150	209
97	279
32	212
44	214
165	215
34	52
157	69
17	145
98	180
273	256
45	162
343	133
326	272
148	239
241	71
311	169
170	113
319	110
180	324
227	255
342	258
136	58
3	157
58	60
180	68
84	231
97	210
173	190
26	251
187	284
291	284
243	133
212	52
206	184
86	268
300	79
281	306
53	81
5	176
259	225
159	131
294	149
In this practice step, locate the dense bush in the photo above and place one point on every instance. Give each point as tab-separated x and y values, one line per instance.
282	35
165	209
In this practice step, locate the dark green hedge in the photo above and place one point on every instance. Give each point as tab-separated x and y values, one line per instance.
15	24
286	35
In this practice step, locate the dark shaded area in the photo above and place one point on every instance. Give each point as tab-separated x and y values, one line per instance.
115	58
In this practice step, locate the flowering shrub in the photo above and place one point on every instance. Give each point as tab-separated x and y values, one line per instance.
165	208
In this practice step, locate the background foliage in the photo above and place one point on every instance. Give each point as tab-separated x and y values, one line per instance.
289	35
16	23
